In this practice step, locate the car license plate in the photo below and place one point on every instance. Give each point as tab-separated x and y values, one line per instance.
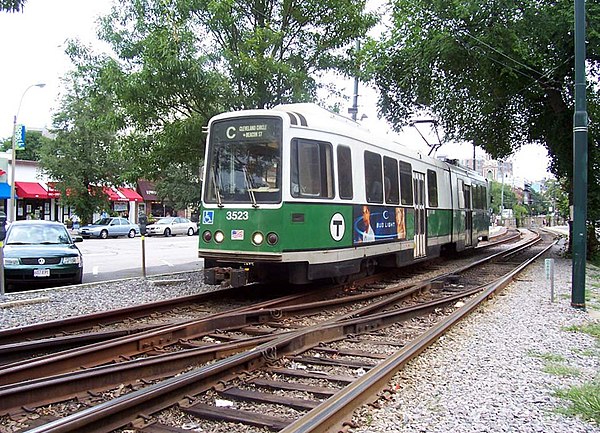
41	272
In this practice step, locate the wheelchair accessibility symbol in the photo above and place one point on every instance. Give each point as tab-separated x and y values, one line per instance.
208	216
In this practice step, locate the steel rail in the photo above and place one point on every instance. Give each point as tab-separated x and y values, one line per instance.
78	323
118	412
129	345
14	352
330	415
138	343
28	336
61	387
103	318
95	354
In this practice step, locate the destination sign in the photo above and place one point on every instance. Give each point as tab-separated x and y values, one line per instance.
247	129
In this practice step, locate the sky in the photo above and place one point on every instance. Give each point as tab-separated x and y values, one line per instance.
32	52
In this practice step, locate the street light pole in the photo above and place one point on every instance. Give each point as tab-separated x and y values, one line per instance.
13	202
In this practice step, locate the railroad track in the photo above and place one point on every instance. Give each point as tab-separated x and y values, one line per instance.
299	350
25	342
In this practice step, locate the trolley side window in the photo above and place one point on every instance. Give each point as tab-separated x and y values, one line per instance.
373	181
406	183
432	189
460	194
390	180
312	169
484	197
476	191
344	166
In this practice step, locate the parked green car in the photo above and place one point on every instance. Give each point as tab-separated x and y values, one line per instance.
41	253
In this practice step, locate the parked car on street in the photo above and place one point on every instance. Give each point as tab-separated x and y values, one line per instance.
110	227
41	252
172	226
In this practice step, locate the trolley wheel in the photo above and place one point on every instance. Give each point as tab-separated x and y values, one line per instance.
341	279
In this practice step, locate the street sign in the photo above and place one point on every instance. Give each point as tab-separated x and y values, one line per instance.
20	137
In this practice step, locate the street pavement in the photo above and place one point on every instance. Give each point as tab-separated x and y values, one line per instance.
108	259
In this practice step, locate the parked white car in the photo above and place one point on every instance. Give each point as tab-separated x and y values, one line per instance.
171	226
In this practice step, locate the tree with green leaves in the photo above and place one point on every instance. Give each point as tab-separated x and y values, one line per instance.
84	157
498	74
272	51
556	197
178	63
497	192
33	141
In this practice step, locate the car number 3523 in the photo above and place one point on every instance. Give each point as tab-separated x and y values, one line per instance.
236	215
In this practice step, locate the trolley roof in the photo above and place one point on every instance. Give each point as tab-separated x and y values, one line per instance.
314	117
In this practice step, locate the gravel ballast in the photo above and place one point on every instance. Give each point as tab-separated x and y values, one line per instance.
486	375
31	307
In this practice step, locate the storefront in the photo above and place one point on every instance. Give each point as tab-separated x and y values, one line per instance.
37	197
33	201
153	204
135	202
124	202
4	196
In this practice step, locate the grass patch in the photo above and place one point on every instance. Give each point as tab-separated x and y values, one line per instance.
548	357
586	352
556	369
584	401
592	329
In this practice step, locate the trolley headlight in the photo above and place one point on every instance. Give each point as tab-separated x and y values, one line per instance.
257	238
207	236
219	237
272	238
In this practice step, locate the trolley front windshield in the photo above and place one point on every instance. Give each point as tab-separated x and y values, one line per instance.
244	161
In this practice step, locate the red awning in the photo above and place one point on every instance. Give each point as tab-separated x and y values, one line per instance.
130	194
112	194
30	190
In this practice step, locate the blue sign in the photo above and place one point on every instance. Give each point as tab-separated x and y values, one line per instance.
208	216
20	137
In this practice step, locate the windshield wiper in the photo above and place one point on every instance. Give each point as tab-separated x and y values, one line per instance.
217	192
250	187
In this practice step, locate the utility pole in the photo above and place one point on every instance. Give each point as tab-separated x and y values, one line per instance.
580	163
354	109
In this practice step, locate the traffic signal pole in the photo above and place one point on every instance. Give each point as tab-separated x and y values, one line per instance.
580	163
